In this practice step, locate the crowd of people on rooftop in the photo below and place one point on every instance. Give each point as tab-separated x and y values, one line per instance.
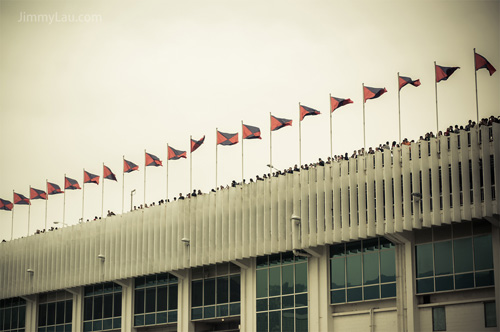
336	158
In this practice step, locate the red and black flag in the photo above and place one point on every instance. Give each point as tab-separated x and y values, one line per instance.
226	139
37	194
71	184
251	132
53	189
152	160
403	80
129	166
443	73
305	111
6	205
372	93
90	178
278	123
481	62
196	144
21	199
108	174
174	154
338	102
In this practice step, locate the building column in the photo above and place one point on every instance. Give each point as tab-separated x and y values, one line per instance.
127	304
318	286
31	322
77	312
184	323
495	239
248	295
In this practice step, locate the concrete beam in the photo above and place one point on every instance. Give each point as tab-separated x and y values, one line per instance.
242	263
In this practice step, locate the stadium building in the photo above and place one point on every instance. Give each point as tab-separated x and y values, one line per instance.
401	240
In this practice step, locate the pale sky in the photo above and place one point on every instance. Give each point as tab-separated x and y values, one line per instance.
141	74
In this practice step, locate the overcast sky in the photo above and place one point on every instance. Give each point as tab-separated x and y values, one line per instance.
135	75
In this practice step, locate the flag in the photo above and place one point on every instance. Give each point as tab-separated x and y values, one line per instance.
174	154
152	160
129	166
6	205
196	144
443	73
278	123
90	178
339	102
481	62
21	199
37	194
53	189
372	93
251	132
108	174
226	139
71	184
406	80
305	111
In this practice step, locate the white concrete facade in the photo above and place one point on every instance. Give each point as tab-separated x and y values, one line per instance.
305	211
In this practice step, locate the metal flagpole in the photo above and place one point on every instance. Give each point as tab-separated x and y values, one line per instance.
190	164
102	197
300	139
64	204
47	200
364	134
475	75
29	214
216	145
123	185
331	130
399	110
167	170
270	143
144	177
436	89
13	208
83	194
242	139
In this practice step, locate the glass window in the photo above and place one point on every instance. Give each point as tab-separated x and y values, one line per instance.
215	291
363	270
438	319
12	315
281	303
55	311
155	300
490	314
465	261
101	303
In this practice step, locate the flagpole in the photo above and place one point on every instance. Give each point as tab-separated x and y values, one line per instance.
123	184
331	128
364	134
475	76
83	194
242	139
167	169
29	214
436	89
216	145
144	177
190	164
13	208
64	204
270	143
47	200
102	197
399	110
300	138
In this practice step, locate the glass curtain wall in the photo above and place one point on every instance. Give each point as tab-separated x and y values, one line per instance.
102	309
12	314
55	312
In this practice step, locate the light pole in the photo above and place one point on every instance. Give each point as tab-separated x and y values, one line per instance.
132	193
